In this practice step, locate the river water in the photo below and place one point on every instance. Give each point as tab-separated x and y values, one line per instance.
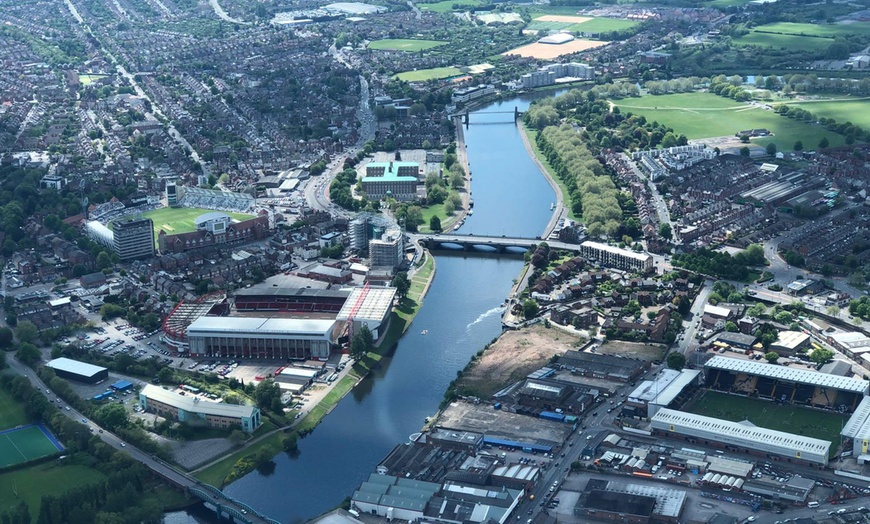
462	313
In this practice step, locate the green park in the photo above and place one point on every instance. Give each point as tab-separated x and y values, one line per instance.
422	75
404	44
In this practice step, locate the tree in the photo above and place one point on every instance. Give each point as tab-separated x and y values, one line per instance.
530	308
771	357
236	437
112	416
401	283
26	331
676	360
744	151
28	354
166	375
457	178
104	261
821	355
834	311
357	346
665	231
731	327
6	337
435	223
823	143
771	149
265	392
798	146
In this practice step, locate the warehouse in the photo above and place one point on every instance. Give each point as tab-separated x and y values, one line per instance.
790	343
78	371
273	338
370	306
291	376
621	501
609	367
719	433
195	412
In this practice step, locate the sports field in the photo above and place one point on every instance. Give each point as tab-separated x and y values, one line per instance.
11	412
180	219
706	115
32	483
421	75
856	111
818	30
87	80
795	42
791	419
25	444
447	5
402	44
550	22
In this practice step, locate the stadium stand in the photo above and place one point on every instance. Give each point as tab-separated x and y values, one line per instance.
218	200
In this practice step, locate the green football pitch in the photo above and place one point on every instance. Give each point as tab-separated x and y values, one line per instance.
797	420
25	444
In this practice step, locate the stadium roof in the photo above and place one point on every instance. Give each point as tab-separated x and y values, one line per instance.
858	425
302	292
376	304
261	326
205	217
194	405
675	387
726	431
74	366
801	376
648	390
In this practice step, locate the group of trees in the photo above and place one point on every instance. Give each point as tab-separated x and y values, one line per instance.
440	190
362	342
340	191
728	89
860	308
722	265
592	193
851	131
677	85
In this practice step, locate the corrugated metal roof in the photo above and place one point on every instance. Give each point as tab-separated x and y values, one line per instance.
801	376
376	305
858	419
74	366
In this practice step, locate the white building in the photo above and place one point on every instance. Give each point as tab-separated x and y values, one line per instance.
611	256
461	96
252	337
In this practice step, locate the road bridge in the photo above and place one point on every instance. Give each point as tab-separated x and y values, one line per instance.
487	243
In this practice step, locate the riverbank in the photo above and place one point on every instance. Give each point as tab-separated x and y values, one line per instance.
216	473
528	136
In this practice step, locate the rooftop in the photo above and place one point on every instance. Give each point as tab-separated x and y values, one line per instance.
617	251
194	405
375	303
791	339
275	326
205	217
391	171
802	376
74	366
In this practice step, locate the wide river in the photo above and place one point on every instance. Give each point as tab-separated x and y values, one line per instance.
462	313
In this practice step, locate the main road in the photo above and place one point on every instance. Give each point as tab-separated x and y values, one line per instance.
163	469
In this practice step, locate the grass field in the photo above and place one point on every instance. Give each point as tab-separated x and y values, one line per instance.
24	445
855	111
11	412
180	220
706	115
33	483
818	30
401	44
422	75
796	42
595	25
87	80
791	419
447	5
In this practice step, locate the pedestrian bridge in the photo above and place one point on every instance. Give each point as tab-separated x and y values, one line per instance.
502	244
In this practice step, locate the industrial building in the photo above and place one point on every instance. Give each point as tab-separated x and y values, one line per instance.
621	501
195	412
370	306
788	384
611	256
395	179
78	371
272	338
736	340
295	379
610	367
387	250
790	343
134	238
663	390
740	437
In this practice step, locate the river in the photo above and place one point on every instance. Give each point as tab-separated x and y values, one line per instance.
462	313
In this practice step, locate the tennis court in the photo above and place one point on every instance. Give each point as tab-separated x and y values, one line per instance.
26	443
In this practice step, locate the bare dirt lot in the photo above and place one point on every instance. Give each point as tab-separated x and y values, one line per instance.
482	418
513	356
564	18
642	351
551	51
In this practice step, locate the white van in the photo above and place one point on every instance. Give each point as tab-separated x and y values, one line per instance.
813	504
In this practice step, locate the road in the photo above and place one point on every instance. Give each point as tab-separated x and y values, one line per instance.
218	10
160	467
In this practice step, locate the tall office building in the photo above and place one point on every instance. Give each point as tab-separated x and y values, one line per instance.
134	238
171	194
387	251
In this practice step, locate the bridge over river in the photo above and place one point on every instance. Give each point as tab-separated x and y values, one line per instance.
487	243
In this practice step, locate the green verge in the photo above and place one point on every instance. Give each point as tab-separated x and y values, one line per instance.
11	412
32	483
218	473
532	135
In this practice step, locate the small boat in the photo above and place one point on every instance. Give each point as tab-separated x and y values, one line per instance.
470	211
425	332
552	206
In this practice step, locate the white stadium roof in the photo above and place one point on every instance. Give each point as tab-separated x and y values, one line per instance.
375	305
74	366
801	376
261	326
727	432
858	425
